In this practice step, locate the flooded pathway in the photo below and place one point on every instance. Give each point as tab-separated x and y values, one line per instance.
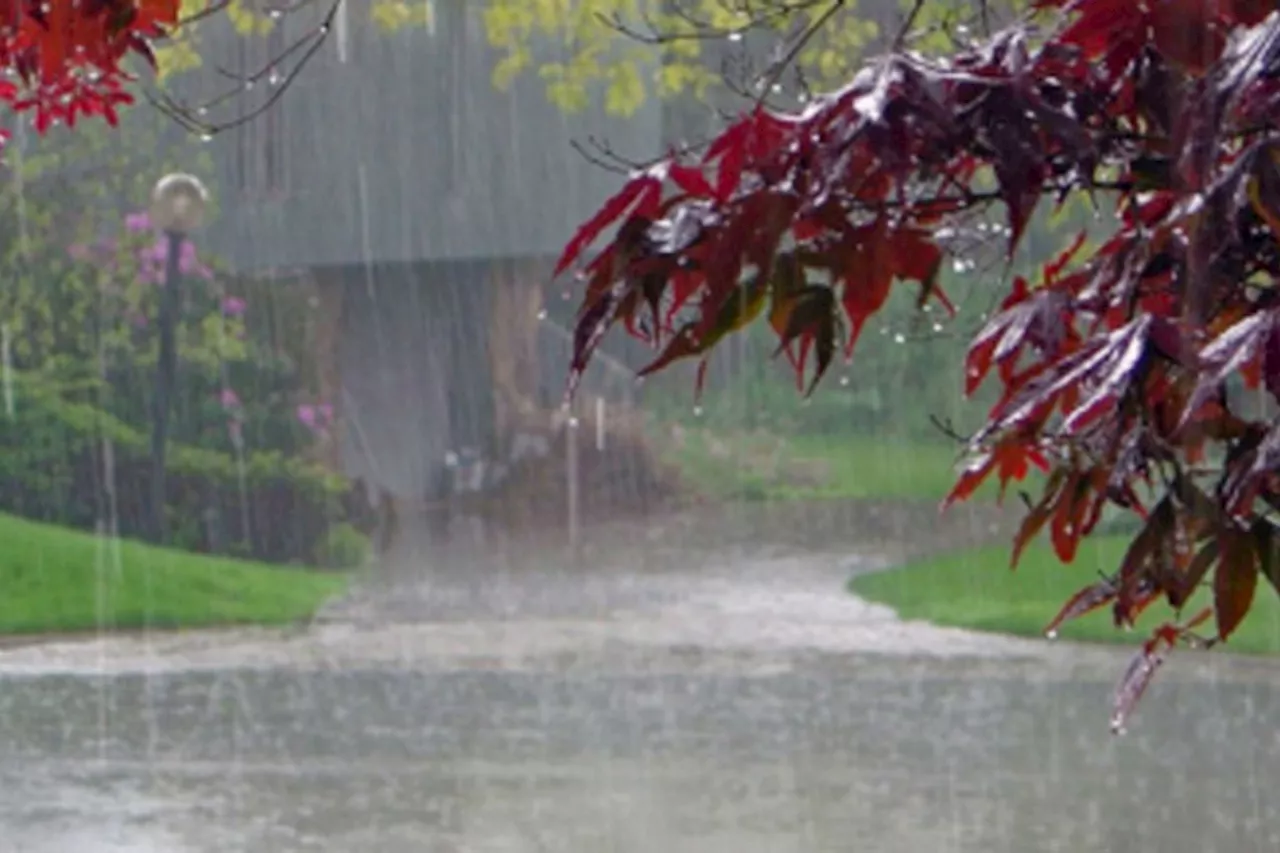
710	700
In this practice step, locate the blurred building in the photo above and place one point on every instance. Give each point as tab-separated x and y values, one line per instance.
427	207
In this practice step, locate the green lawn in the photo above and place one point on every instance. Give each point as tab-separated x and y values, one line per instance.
809	467
57	580
977	590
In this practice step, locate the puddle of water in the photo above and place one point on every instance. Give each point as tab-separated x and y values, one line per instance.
724	701
925	758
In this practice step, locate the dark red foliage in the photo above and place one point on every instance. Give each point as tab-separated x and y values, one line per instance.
1112	364
64	57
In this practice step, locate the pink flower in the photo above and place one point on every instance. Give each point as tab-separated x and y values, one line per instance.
229	399
153	259
233	306
139	222
317	418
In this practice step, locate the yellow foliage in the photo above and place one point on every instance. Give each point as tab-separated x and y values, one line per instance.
579	51
247	21
397	14
602	54
588	30
179	54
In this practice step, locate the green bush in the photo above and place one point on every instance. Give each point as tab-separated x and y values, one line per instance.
344	548
53	466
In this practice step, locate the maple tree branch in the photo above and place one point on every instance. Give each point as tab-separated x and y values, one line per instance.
618	166
944	426
701	30
772	77
907	24
304	49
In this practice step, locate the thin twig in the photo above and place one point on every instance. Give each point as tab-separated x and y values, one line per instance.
305	48
907	25
789	57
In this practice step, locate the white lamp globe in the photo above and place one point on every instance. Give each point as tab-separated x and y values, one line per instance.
178	203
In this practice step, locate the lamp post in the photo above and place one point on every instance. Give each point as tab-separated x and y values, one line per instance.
177	208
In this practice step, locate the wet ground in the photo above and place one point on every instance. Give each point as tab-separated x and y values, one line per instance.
675	697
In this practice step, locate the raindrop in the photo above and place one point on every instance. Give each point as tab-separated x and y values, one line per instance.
206	137
958	265
844	380
248	84
542	314
1051	635
735	36
697	411
937	327
275	78
573	422
276	14
899	338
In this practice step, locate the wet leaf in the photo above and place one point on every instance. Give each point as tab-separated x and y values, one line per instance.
1135	681
639	195
1011	459
1235	579
1181	592
683	344
810	320
1266	544
1087	600
1037	516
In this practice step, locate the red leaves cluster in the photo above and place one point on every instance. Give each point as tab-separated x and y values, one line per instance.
1114	364
65	56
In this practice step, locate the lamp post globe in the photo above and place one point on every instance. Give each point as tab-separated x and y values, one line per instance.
178	203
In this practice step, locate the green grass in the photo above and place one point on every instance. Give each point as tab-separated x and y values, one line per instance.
821	467
977	590
55	580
